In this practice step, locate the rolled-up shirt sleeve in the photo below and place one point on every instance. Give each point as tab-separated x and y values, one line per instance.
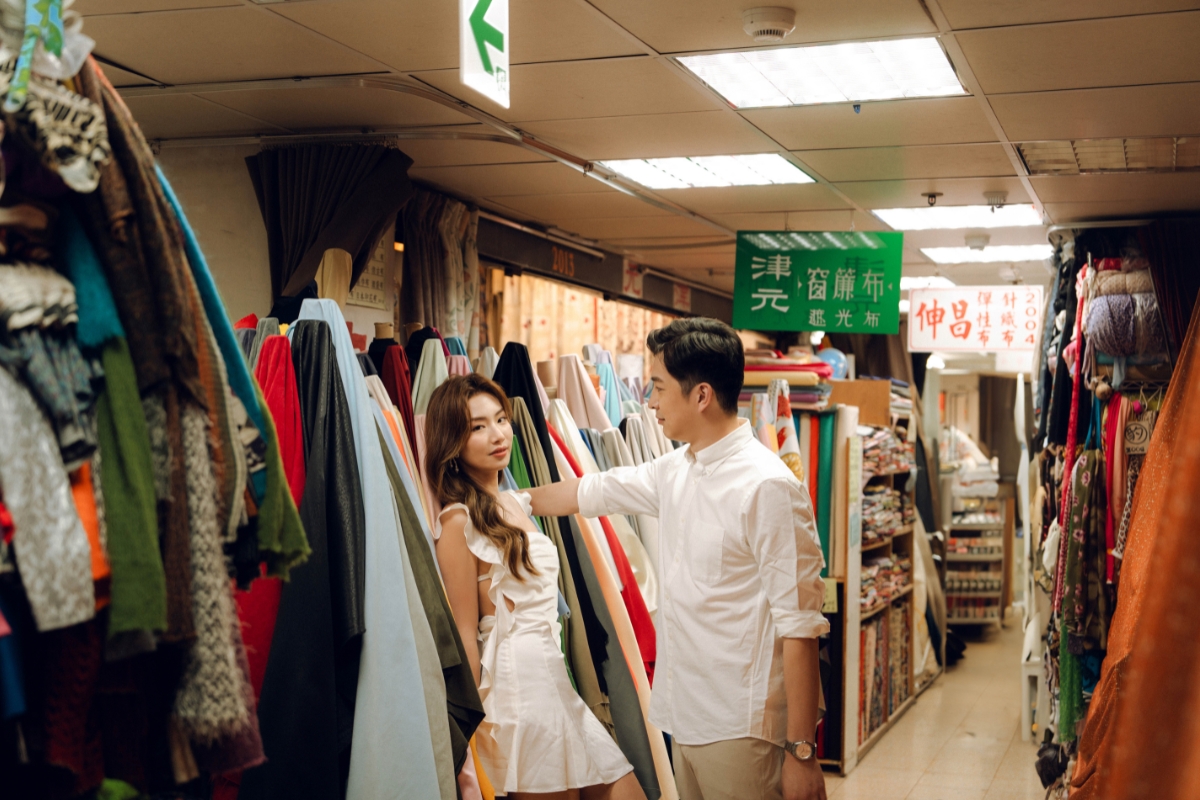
783	535
622	490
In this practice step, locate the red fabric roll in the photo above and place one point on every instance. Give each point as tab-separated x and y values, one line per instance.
277	378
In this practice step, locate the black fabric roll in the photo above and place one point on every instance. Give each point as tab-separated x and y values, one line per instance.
377	350
306	712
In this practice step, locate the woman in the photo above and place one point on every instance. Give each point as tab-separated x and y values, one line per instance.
539	739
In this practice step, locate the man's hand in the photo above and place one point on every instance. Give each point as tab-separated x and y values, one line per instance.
802	780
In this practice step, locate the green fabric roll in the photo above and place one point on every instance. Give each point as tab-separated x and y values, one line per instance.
282	543
516	464
139	585
828	424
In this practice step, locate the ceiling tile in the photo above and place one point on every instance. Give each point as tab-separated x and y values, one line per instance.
462	152
582	205
684	25
1128	51
122	77
988	13
176	116
95	7
502	180
629	227
751	199
1166	191
585	89
424	36
701	133
899	163
892	123
1171	110
316	109
955	238
219	44
800	221
955	191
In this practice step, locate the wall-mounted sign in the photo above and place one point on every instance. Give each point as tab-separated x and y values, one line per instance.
633	284
835	281
682	299
483	47
373	285
977	319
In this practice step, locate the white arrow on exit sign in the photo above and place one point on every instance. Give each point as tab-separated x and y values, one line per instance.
483	46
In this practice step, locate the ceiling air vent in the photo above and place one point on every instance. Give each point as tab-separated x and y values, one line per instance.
1091	156
768	24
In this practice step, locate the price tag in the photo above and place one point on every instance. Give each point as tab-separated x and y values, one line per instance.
1138	433
831	604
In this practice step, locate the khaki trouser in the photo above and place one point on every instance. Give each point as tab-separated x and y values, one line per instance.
736	769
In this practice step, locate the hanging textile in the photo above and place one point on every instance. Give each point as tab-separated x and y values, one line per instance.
385	751
612	394
576	389
431	373
1127	714
487	362
416	345
398	382
319	197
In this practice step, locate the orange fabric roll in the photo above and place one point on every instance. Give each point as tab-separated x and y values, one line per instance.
84	494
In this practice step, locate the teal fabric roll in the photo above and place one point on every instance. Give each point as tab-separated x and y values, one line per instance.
828	422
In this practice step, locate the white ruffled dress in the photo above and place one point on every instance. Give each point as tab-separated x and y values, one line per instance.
538	735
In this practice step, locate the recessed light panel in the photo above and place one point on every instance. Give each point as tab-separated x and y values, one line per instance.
942	217
762	169
989	255
834	73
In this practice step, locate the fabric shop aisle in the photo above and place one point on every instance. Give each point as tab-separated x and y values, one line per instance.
962	738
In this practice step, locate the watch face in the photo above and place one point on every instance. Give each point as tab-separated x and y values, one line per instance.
801	750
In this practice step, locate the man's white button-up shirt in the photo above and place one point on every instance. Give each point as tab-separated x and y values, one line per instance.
740	570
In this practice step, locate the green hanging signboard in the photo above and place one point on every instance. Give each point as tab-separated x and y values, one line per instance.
833	281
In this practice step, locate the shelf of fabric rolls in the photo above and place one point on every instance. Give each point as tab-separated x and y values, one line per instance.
987	539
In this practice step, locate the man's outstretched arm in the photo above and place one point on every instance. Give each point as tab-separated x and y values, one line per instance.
556	499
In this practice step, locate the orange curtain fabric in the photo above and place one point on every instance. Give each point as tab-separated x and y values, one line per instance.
1142	735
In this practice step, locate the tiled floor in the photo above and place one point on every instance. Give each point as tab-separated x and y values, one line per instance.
961	740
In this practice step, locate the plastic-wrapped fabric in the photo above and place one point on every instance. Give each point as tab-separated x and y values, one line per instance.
392	744
1125	324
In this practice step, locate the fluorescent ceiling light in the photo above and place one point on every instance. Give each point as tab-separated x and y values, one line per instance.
939	217
989	255
833	73
762	169
928	282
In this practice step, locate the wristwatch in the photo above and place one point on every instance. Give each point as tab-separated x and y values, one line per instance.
801	751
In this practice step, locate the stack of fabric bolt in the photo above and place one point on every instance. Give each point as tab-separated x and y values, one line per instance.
882	513
807	376
884	452
883	577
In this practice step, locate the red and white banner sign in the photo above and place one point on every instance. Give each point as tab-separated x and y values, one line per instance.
979	319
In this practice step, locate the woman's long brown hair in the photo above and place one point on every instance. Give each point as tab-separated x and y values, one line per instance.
447	428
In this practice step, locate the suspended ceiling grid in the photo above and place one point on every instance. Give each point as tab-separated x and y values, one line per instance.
597	80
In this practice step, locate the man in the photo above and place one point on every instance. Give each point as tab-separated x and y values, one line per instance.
736	682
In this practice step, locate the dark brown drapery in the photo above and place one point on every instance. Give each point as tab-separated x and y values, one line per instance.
317	197
1172	246
424	274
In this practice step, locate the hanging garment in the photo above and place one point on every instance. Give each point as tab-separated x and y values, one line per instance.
576	389
431	374
50	542
391	744
458	365
538	735
309	688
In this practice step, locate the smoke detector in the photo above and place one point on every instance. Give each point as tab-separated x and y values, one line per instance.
977	241
768	24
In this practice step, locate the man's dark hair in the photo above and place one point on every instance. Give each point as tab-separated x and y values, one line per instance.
702	350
